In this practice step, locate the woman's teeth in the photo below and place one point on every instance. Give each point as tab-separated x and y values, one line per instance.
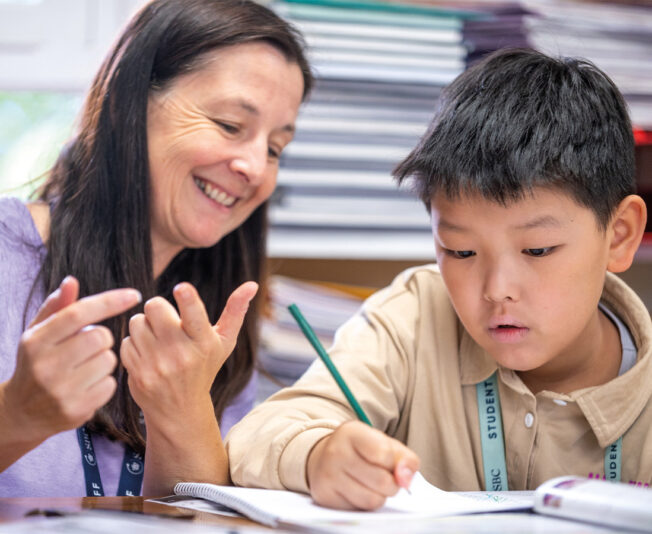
218	196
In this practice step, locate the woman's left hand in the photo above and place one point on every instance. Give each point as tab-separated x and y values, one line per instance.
172	359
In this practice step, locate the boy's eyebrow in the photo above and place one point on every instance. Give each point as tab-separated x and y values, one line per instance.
538	222
544	220
443	224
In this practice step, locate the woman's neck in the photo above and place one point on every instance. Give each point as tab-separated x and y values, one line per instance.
40	212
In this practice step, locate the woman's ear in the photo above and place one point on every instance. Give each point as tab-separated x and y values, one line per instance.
626	230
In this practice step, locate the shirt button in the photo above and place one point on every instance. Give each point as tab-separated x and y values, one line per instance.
560	402
529	420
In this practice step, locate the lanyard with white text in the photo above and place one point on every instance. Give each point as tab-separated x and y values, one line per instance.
493	441
131	475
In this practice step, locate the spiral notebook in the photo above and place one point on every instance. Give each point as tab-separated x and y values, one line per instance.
277	507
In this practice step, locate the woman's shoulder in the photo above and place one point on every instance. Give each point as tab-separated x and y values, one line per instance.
22	223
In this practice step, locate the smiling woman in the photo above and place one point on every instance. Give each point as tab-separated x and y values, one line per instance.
160	196
214	160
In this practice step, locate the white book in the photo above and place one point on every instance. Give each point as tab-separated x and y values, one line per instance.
386	153
388	60
382	74
456	50
429	35
596	501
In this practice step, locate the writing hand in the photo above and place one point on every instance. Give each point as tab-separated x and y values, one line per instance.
358	467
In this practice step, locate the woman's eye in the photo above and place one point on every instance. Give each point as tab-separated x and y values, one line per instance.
460	254
274	154
228	128
538	252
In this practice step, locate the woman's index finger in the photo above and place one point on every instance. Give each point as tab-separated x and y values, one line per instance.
90	310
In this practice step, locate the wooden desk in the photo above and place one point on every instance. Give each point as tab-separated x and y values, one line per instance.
13	509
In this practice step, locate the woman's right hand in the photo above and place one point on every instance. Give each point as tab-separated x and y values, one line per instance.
63	368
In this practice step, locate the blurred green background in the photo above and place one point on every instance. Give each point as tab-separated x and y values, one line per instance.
34	127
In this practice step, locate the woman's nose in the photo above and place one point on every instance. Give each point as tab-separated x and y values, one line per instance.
250	162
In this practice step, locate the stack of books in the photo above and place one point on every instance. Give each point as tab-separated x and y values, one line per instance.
380	67
617	37
284	352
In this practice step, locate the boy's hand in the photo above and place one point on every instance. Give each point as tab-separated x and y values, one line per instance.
358	467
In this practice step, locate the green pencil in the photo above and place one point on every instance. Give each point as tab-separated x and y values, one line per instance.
314	341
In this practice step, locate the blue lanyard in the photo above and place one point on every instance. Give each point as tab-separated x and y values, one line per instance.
493	441
131	475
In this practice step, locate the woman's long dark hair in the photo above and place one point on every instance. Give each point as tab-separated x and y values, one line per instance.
100	193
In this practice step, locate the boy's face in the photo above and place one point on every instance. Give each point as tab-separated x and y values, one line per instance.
525	279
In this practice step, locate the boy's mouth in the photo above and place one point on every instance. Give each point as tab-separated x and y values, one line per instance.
507	329
508	333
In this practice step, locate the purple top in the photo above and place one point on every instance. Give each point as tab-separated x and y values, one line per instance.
54	468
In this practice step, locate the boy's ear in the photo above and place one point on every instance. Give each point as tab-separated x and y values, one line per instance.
626	229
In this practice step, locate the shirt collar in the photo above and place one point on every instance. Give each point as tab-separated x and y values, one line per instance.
610	408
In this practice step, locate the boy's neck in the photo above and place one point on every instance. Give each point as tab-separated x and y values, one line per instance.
600	366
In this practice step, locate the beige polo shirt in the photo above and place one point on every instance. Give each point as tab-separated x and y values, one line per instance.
414	369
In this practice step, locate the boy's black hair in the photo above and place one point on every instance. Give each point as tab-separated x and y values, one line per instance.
520	119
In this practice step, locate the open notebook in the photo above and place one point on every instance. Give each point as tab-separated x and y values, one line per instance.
607	505
277	507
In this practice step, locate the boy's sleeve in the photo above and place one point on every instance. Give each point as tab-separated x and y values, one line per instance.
373	352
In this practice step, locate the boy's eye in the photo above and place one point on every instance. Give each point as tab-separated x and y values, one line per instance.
460	254
538	252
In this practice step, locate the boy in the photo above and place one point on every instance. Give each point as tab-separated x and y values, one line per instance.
528	173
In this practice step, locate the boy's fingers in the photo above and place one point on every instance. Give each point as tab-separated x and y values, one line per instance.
388	453
194	319
232	317
359	496
376	479
90	310
404	472
64	295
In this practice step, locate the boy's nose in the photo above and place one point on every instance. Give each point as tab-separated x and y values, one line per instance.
500	286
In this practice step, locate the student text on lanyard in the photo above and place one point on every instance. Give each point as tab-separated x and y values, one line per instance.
493	441
131	474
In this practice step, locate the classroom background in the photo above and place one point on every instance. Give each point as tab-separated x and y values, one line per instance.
339	226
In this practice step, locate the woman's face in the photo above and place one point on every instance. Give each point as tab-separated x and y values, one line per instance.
214	139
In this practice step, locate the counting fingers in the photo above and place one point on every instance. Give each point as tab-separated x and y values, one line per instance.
64	295
95	369
232	317
89	341
194	318
89	310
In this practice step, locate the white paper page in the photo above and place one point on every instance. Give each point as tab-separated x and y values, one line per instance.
424	501
426	498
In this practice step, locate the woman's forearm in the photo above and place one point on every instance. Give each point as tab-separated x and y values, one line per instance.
13	444
186	448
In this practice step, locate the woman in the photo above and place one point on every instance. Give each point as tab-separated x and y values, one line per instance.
161	192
